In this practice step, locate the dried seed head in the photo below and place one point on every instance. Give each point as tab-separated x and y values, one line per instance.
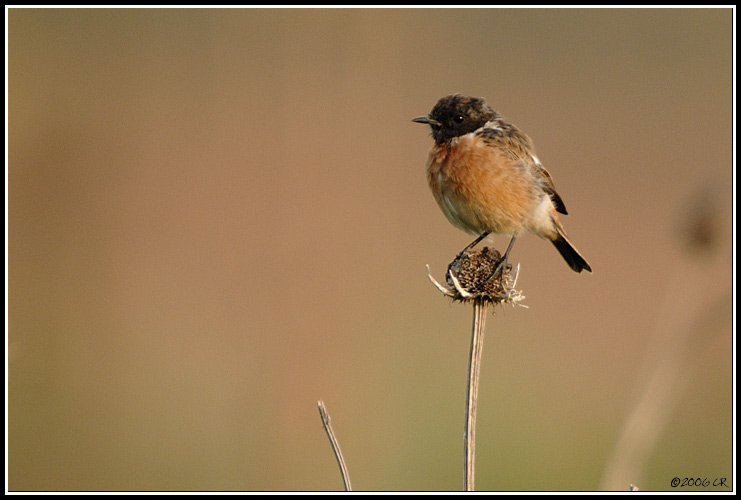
480	274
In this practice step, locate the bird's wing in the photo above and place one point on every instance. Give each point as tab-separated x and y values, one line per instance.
519	146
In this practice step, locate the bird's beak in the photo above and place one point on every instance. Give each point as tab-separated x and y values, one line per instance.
426	120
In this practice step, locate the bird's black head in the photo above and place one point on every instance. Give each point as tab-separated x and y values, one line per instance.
455	115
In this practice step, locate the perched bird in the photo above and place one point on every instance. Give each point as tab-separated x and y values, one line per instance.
485	177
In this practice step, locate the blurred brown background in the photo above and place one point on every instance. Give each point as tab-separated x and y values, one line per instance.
217	217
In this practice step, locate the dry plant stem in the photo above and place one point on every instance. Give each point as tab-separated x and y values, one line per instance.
662	380
474	367
335	445
484	278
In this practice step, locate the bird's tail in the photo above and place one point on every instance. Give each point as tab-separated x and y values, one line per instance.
572	257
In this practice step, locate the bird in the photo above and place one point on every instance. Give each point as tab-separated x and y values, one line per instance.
486	178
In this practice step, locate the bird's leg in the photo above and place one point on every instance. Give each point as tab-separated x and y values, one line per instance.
473	243
503	261
470	246
509	247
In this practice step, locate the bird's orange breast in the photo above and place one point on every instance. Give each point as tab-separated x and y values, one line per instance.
481	188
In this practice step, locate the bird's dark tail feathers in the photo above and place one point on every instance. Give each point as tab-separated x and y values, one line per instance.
572	257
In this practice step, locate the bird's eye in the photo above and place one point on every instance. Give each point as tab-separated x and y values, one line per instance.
458	119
